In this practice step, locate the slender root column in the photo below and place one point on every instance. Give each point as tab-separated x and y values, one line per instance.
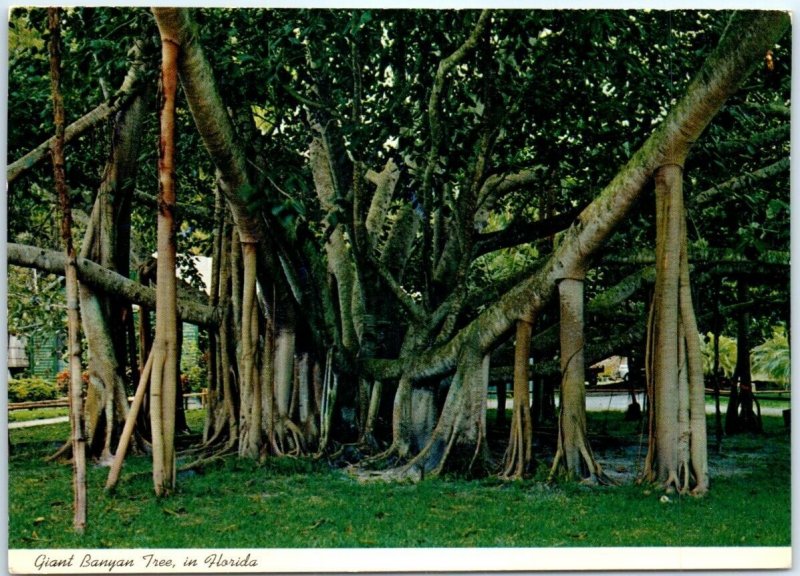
164	371
130	423
250	439
78	436
518	458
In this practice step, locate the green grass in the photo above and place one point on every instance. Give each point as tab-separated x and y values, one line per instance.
302	503
36	414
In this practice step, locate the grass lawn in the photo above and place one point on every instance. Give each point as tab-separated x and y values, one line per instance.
302	503
36	414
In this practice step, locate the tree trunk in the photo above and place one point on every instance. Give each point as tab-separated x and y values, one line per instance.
165	353
306	403
423	417
698	434
677	458
368	436
249	375
717	376
519	454
214	417
330	391
573	455
107	242
458	440
742	413
73	311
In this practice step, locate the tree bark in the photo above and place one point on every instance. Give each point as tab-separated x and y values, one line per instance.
107	242
340	264
73	310
742	415
698	439
519	454
573	455
211	118
250	413
677	455
165	353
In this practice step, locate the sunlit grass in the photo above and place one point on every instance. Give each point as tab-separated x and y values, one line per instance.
36	414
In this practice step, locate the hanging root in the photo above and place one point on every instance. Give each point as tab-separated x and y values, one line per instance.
368	444
596	474
671	483
513	458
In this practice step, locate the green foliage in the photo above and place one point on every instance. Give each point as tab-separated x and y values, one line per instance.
771	360
194	367
196	377
727	354
31	390
366	75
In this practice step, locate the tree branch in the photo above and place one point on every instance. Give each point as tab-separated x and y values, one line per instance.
518	233
110	282
706	256
434	121
759	140
124	95
771	109
210	115
748	36
730	187
385	183
497	186
405	299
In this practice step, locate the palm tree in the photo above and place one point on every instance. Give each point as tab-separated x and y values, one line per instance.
727	354
770	360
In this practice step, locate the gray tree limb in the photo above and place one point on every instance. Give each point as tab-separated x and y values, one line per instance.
107	281
121	98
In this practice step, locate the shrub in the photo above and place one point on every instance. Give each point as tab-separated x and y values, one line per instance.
194	379
62	381
31	390
771	360
63	377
